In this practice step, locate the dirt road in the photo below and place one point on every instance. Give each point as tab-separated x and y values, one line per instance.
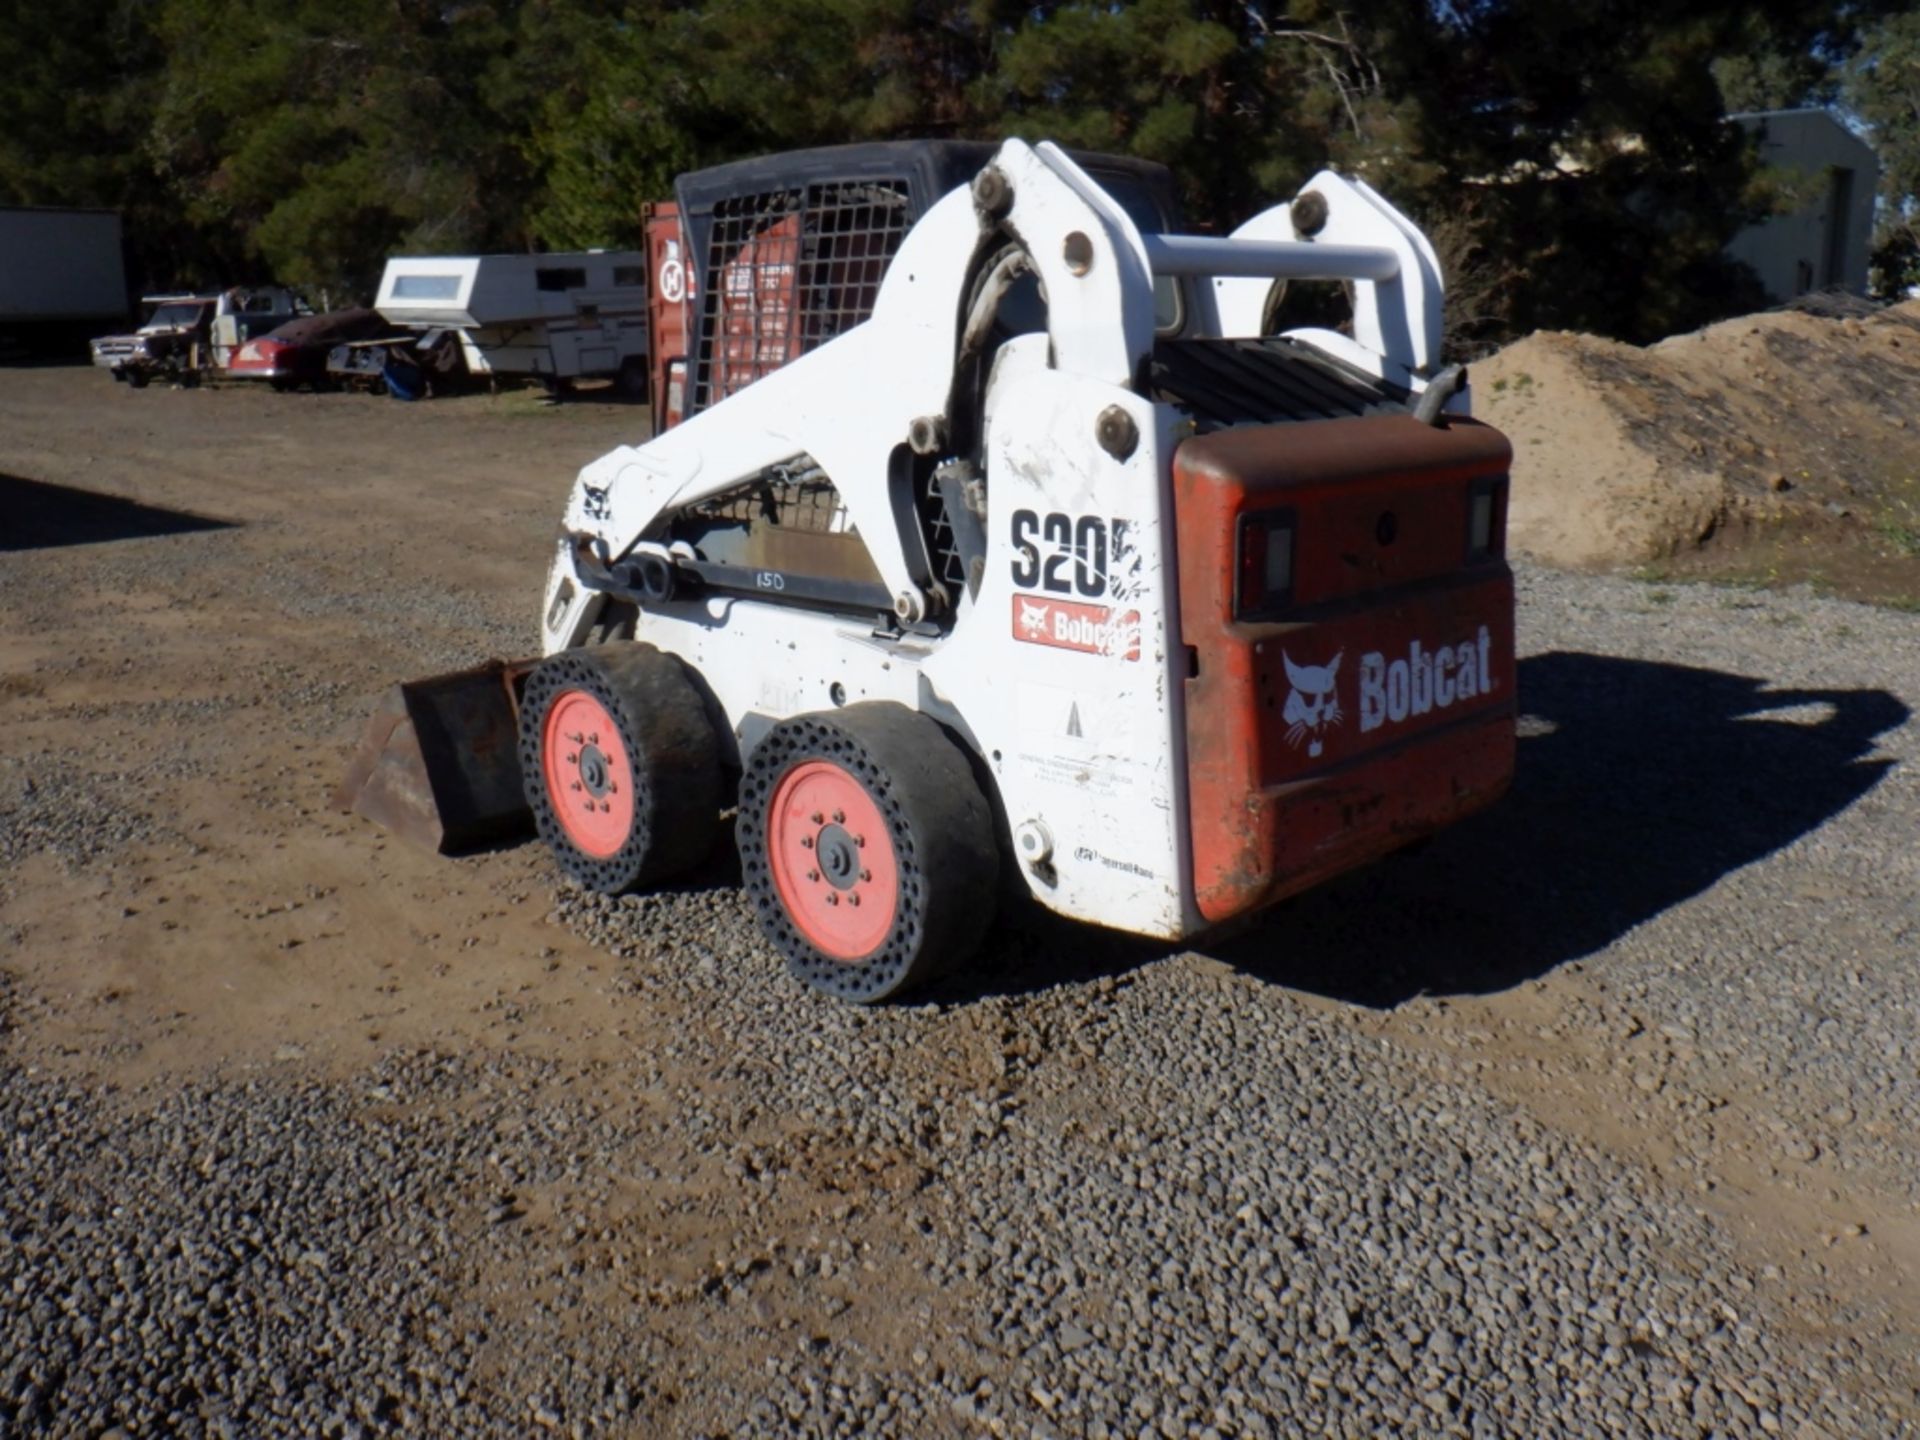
1597	1115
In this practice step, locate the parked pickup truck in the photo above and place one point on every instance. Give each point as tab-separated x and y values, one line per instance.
187	337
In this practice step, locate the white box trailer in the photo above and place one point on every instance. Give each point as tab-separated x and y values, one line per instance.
560	317
62	274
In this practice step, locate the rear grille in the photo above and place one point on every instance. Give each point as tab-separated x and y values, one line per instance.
1265	382
786	271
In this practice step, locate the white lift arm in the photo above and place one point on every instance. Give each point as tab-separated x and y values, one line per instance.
1397	310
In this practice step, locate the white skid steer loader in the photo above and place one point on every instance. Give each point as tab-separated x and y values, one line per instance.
1000	544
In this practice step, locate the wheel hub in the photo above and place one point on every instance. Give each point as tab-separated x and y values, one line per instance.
593	771
839	857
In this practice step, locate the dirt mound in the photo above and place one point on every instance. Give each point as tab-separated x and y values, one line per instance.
1786	443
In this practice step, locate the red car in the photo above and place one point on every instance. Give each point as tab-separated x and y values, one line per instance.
296	353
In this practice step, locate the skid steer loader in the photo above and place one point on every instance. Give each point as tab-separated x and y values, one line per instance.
999	543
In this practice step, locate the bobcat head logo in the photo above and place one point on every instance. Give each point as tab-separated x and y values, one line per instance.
1312	706
1033	618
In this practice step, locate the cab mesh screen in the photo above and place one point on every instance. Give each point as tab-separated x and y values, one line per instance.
787	270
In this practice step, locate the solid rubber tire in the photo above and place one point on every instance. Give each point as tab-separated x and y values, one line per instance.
942	832
672	748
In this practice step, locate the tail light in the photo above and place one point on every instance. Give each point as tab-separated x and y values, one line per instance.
1486	519
1263	583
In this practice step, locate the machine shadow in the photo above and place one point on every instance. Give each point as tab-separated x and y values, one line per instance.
600	395
1639	785
38	515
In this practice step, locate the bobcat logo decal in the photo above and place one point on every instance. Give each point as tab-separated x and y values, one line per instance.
1033	618
1312	706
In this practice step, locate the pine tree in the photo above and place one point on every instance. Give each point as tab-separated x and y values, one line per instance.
310	138
1883	89
1573	159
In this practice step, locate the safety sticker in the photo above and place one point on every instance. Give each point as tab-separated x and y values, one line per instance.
1076	722
673	275
1073	625
1078	774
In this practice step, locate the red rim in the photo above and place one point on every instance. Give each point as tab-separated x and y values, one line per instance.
832	861
589	778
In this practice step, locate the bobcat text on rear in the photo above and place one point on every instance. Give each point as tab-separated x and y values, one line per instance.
1423	680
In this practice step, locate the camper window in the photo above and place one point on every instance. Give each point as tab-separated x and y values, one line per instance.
426	287
567	277
629	275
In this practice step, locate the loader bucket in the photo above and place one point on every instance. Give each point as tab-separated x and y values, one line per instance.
439	764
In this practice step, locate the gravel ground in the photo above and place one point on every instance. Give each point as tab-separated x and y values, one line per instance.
1358	1243
1595	1117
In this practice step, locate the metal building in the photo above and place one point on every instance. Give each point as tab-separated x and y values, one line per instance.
1824	244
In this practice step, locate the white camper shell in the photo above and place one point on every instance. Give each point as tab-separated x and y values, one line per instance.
559	317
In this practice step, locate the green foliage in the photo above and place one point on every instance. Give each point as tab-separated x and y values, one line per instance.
603	135
81	78
1883	89
59	123
1593	136
1570	161
308	138
1766	72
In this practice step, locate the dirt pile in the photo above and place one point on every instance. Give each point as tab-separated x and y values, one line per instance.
1786	444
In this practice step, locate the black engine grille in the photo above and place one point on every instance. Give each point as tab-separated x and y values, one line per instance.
1265	382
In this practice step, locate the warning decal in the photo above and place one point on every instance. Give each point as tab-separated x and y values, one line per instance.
673	275
1076	738
1072	625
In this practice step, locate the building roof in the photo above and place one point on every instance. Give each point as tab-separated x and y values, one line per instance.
1806	112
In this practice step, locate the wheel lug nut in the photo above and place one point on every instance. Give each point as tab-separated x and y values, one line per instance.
818	818
593	739
806	842
866	874
861	841
575	786
813	874
839	817
833	899
573	759
853	897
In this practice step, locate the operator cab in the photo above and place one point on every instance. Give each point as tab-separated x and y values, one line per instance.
784	254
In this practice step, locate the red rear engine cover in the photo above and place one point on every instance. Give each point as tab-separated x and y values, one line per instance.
1376	703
